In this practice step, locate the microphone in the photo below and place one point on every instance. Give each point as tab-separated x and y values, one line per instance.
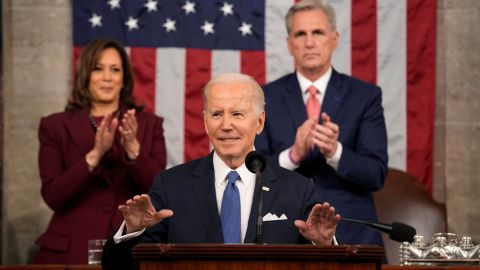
256	163
399	232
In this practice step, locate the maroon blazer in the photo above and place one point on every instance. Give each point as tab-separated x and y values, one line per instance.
85	203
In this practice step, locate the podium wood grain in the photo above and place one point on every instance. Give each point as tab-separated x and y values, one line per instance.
252	257
98	267
257	257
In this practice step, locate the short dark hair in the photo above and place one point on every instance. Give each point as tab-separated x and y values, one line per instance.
80	97
311	5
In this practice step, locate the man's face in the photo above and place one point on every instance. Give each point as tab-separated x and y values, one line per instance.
231	122
311	42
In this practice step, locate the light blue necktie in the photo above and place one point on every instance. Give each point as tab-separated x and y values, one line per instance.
230	212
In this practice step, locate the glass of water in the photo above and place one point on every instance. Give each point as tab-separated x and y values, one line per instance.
95	248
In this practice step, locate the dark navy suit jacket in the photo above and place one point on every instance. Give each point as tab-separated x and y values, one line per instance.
189	190
356	107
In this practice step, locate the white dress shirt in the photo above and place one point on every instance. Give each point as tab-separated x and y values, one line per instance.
246	188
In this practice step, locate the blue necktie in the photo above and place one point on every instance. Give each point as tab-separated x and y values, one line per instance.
230	212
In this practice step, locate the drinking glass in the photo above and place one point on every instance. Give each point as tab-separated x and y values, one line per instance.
95	248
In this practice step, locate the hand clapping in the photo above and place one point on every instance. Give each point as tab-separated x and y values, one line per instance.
325	136
128	132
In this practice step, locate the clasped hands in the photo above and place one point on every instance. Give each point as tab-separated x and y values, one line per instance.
311	134
105	135
139	213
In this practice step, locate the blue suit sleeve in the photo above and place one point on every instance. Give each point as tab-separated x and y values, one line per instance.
366	165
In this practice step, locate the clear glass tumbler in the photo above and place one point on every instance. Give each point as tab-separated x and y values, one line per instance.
95	248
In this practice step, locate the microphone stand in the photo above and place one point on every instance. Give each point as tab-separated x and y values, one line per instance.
256	163
260	206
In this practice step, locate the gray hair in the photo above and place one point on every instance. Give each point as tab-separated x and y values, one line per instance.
229	78
311	5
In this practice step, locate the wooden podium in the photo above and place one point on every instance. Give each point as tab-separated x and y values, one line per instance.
257	257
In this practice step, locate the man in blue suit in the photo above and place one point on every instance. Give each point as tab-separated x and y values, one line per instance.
212	199
325	125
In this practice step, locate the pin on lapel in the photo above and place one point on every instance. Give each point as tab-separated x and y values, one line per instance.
265	188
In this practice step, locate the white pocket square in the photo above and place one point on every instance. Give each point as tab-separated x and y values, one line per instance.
273	217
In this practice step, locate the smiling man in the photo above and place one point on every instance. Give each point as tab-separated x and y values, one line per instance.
233	116
212	200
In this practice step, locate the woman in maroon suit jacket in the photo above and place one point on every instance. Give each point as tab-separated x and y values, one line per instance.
95	155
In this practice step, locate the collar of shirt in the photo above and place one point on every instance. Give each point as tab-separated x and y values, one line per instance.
246	188
321	84
221	170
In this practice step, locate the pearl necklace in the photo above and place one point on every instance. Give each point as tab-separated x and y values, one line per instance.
94	123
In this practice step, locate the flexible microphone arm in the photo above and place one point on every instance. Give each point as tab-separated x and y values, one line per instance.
399	232
377	226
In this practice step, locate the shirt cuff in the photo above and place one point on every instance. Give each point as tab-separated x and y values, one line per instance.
285	161
119	237
335	159
334	241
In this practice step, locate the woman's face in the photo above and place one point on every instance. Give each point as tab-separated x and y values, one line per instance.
106	78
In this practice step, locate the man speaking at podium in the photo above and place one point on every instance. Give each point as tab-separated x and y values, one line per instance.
212	199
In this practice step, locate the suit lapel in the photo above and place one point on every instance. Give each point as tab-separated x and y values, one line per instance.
141	124
334	95
332	101
293	100
78	125
267	178
203	186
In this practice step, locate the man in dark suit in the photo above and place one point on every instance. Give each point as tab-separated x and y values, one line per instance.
212	200
326	125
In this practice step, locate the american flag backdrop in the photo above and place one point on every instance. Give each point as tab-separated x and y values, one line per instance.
176	46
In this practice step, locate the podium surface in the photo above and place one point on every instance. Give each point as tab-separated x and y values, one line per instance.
257	257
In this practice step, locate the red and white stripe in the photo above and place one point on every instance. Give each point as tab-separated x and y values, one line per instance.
387	42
